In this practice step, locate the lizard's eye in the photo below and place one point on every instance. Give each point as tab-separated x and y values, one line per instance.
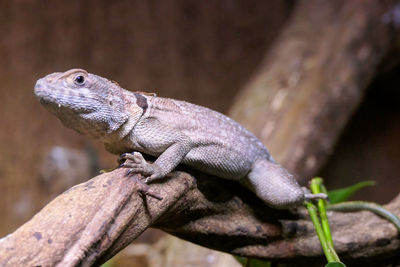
79	80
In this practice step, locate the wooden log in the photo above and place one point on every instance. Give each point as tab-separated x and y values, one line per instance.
91	222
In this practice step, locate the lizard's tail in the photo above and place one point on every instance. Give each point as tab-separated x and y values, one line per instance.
274	185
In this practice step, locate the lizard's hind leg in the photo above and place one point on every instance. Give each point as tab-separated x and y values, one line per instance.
274	185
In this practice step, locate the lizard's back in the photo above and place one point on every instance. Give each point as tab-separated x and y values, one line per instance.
221	146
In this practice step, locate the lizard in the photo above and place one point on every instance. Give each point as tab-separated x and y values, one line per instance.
131	123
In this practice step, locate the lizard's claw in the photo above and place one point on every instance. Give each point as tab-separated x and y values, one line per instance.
309	196
151	178
136	163
128	156
316	196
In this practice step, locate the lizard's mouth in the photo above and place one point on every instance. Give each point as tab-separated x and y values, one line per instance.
40	88
42	93
61	100
45	98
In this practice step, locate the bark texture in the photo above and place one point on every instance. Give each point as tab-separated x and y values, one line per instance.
91	222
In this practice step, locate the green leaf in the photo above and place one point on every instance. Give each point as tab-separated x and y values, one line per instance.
340	195
335	264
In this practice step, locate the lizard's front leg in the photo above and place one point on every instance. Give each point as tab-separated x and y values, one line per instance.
164	164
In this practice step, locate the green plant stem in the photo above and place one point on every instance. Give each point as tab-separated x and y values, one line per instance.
364	205
330	254
315	185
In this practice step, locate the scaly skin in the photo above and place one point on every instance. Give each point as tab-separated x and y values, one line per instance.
173	131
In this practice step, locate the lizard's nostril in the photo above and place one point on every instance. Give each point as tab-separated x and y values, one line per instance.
39	85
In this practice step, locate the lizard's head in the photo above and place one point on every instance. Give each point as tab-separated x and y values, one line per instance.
87	103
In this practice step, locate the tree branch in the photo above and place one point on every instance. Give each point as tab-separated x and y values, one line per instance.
91	222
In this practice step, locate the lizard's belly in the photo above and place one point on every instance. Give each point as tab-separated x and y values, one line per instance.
220	162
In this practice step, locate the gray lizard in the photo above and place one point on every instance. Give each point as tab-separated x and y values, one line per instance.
173	131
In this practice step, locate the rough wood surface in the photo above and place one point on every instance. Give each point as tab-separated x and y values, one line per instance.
92	221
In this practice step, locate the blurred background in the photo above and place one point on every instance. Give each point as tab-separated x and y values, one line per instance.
203	52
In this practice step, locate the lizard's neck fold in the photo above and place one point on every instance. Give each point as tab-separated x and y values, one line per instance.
123	131
135	113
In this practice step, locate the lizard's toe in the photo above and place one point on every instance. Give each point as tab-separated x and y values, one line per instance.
316	196
138	158
142	167
126	156
122	158
151	178
133	166
135	163
132	171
